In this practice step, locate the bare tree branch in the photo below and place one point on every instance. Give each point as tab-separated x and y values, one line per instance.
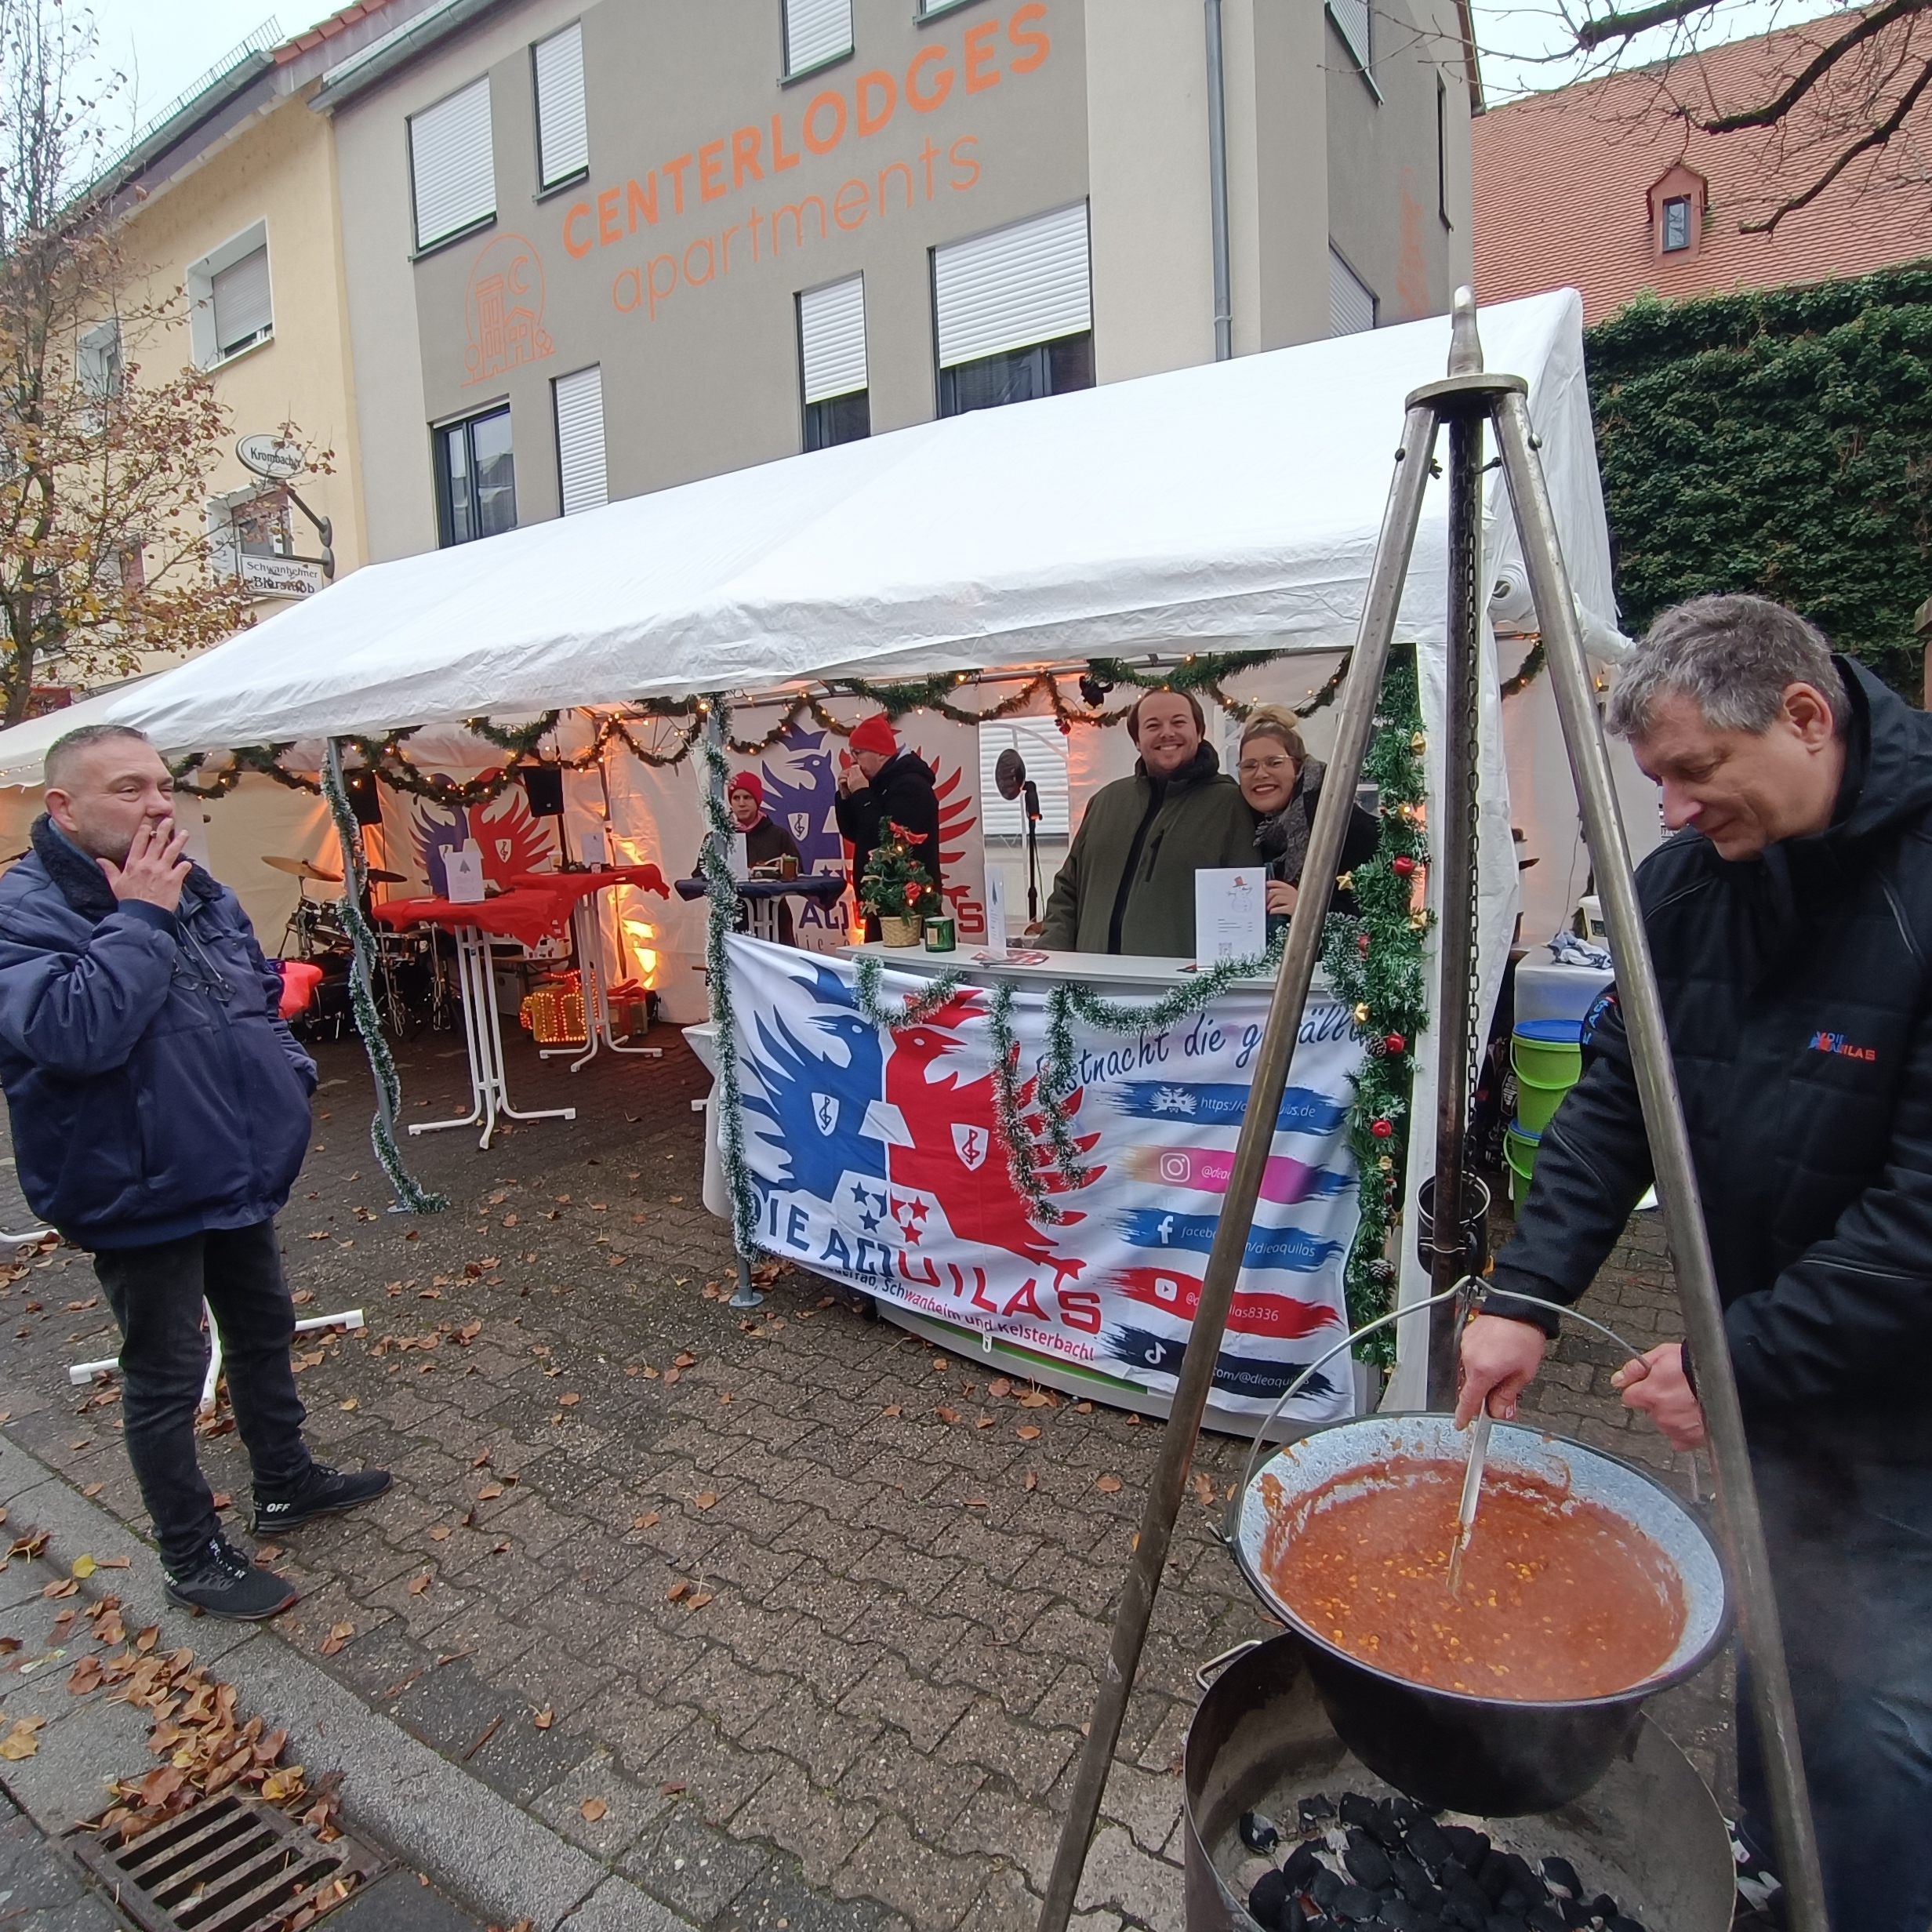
1874	138
1594	34
1814	70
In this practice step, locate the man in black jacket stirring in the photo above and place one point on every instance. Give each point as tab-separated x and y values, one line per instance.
1791	921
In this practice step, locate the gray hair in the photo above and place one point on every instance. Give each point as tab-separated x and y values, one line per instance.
1733	657
71	745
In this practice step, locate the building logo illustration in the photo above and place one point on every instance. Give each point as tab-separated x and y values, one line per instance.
503	310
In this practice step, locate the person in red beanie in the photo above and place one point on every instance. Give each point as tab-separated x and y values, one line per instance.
765	839
883	783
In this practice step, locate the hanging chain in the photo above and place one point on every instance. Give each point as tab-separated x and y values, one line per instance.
1472	725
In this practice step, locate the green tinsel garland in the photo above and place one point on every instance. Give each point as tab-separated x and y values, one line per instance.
410	1193
1374	963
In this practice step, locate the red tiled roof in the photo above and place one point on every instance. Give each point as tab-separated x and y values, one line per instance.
1563	182
300	43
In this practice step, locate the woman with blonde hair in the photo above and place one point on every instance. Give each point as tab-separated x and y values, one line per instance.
1282	785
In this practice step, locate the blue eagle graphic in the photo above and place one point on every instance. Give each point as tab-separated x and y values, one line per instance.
800	785
813	1101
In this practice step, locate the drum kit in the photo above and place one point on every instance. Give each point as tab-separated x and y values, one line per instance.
411	984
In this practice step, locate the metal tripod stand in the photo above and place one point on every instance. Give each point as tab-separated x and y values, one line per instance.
1469	402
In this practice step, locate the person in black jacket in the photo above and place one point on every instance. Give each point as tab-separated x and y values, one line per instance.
884	785
1282	785
1791	921
161	1113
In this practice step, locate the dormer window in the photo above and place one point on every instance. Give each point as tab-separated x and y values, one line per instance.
1677	202
1676	224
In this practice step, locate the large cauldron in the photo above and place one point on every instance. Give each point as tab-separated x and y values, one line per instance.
1498	1757
1649	1833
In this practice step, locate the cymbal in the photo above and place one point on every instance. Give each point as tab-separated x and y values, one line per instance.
380	877
301	869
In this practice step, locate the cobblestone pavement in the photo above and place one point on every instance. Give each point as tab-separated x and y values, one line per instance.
794	1621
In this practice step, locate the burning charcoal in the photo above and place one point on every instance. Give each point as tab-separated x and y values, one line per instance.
1398	1916
1560	1876
1493	1875
1466	1905
1470	1846
1357	1810
1547	1918
1366	1861
1387	1826
1602	1906
1355	1905
1293	1919
1265	1901
1259	1833
1427	1844
1323	1887
1303	1865
1412	1879
1522	1878
1312	1810
1514	1902
1405	1811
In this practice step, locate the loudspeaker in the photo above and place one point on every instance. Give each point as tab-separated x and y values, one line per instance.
366	798
543	785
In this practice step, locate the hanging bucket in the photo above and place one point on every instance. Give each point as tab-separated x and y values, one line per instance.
1472	1225
1519	1147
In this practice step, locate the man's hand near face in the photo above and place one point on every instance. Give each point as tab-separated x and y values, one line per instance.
155	868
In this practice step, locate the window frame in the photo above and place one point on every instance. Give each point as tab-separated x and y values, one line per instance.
787	72
418	248
546	186
603	437
1664	244
204	345
101	346
1363	56
465	426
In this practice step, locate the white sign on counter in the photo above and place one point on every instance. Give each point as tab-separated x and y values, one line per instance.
1230	913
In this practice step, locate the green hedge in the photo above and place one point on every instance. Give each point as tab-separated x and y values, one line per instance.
1780	442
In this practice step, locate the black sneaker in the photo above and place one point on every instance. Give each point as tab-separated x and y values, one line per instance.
326	1492
224	1583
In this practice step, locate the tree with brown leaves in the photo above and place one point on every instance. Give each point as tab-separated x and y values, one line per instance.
104	558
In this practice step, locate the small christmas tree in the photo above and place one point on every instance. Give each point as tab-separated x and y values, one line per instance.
895	885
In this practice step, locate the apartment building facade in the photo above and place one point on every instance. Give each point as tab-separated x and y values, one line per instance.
590	251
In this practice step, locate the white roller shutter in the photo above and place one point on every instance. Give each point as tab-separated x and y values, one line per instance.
1040	743
1020	285
452	164
816	31
1351	301
580	440
563	134
1351	18
831	339
243	307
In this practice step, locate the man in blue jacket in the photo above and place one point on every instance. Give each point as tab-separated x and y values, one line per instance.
1791	923
161	1114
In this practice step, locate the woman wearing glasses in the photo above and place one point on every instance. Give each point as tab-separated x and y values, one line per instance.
1282	785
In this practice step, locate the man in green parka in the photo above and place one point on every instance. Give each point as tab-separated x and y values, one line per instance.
1127	885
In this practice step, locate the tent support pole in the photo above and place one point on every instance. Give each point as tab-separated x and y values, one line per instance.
1224	1263
1500	400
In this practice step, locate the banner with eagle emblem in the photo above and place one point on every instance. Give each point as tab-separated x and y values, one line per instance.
878	1161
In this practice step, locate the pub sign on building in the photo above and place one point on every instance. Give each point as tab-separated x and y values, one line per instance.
593	251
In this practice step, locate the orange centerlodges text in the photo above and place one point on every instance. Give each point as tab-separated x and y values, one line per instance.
752	160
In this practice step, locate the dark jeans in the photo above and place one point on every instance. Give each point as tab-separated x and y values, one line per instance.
1851	1557
156	1294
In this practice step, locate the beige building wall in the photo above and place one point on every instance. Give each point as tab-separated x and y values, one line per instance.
277	168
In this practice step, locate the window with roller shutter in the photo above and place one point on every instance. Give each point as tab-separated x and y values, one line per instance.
452	166
832	363
231	300
582	481
1014	312
817	32
1352	19
563	133
1351	301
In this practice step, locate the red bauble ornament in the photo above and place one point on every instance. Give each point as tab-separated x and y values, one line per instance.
1066	730
1381	1129
1394	1043
1403	867
1361	942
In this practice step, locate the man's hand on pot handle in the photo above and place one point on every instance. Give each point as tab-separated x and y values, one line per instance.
1498	1357
1656	1383
155	868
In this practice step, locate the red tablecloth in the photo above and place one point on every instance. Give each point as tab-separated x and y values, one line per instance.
581	884
526	914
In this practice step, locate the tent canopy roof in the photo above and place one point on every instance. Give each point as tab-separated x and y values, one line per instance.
1234	505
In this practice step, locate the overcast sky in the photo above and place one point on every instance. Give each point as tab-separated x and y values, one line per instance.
164	46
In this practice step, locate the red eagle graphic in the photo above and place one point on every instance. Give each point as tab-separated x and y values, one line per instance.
956	1156
957	817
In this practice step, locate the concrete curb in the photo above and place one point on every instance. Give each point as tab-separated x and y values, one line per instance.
489	1855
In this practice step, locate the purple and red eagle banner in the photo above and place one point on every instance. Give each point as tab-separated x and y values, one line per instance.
876	1161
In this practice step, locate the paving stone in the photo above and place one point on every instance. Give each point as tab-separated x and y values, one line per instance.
695	1868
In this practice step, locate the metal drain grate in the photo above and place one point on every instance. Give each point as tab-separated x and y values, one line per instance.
224	1866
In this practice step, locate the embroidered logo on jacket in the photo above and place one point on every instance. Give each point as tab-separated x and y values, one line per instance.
1844	1048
